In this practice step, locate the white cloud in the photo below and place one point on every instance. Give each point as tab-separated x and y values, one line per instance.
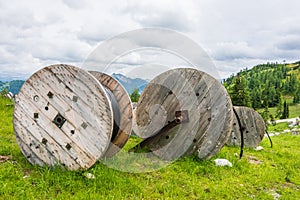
178	16
236	34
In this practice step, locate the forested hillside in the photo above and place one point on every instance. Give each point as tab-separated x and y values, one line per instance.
266	85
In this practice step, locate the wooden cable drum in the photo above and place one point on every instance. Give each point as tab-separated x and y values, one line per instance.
182	111
253	127
122	112
63	116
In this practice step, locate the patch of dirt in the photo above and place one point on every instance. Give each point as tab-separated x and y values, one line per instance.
254	160
290	185
4	158
26	172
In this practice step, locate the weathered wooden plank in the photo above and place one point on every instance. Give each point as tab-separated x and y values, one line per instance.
65	112
208	105
125	109
253	127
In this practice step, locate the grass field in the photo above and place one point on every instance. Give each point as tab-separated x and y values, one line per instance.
294	109
258	175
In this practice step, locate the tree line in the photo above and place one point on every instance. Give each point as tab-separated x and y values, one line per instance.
265	85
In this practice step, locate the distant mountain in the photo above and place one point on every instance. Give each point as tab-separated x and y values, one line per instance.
129	83
12	86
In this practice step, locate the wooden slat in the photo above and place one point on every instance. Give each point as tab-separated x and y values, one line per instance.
253	127
209	108
125	109
79	98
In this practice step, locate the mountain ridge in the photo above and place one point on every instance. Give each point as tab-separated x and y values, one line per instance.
128	83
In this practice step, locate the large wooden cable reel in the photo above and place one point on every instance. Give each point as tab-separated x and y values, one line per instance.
64	116
182	111
253	127
122	104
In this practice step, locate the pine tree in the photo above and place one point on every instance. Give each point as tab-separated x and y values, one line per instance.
135	95
285	113
265	114
297	95
4	92
240	94
256	98
279	110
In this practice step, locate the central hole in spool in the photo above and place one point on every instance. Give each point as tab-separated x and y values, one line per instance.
116	112
59	120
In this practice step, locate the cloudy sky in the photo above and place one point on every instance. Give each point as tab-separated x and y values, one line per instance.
234	33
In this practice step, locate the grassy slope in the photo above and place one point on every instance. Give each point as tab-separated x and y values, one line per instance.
294	109
187	178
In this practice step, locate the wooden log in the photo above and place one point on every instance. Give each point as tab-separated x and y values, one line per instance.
207	103
253	127
63	117
125	108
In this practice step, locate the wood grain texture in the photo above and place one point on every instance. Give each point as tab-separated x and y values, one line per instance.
208	105
53	94
253	127
125	107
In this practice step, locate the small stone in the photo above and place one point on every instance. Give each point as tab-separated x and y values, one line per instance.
222	162
275	194
90	176
258	148
270	134
295	132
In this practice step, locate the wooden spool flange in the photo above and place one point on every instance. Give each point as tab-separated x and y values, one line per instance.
253	127
204	101
63	117
125	108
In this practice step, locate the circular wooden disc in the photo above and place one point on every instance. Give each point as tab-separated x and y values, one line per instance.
124	104
253	126
203	97
63	117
